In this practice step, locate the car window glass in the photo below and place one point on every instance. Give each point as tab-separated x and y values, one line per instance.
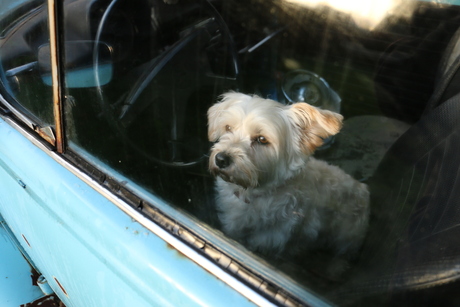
154	70
8	7
141	77
23	31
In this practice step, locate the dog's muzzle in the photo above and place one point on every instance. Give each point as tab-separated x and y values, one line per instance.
223	160
227	167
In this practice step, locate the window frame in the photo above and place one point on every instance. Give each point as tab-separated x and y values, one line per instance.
55	16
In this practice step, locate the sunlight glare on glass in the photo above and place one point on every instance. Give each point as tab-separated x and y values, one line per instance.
366	13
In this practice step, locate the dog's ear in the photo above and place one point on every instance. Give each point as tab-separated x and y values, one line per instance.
214	127
314	124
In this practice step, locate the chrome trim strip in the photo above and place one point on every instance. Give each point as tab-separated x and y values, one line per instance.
18	114
180	246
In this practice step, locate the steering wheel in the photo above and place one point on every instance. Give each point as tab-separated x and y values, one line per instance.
208	38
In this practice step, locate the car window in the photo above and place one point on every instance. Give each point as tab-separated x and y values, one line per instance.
23	33
153	69
197	109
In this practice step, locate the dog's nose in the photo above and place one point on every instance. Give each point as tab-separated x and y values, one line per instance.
223	160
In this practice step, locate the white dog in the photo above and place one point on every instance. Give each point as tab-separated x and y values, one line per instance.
272	195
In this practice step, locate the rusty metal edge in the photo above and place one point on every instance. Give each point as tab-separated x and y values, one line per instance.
56	49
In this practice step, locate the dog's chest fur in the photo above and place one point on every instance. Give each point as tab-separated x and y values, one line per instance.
310	210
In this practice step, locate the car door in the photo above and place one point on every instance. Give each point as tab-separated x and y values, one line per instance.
104	179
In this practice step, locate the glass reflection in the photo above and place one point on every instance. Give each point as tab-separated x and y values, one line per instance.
367	14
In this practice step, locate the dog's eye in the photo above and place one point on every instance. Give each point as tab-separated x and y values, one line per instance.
228	128
262	140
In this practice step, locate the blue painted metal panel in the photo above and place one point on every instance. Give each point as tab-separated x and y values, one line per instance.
16	285
91	252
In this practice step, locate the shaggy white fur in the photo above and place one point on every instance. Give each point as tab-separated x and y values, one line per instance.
272	195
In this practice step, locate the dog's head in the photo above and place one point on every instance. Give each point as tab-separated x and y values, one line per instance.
260	141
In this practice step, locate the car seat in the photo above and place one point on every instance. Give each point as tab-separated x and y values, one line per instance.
412	252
